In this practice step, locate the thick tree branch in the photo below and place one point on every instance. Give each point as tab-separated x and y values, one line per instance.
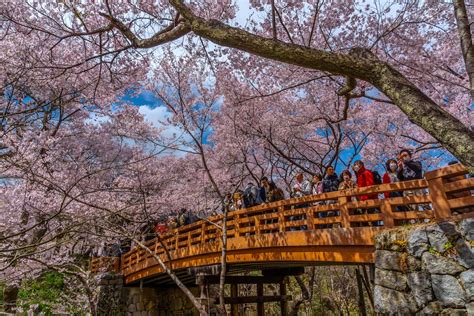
360	63
464	30
166	35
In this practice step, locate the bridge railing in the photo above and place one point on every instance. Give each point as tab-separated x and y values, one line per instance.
105	264
441	194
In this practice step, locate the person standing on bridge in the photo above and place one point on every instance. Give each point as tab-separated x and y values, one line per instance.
410	169
274	193
331	180
264	189
346	181
330	184
365	178
301	186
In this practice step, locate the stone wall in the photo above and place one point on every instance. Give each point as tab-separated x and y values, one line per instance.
109	300
116	299
426	269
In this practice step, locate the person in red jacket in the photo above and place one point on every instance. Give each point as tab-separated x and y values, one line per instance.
365	178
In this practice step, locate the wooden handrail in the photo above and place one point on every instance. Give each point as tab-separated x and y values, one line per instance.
247	226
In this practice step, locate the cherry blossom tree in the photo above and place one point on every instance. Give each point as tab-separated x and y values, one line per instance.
407	50
297	85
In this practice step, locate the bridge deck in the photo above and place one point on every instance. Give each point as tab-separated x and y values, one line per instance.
293	232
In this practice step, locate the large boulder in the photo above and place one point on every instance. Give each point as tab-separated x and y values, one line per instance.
467	281
433	308
418	242
392	302
391	279
437	264
465	255
466	227
448	290
10	296
388	260
420	285
437	238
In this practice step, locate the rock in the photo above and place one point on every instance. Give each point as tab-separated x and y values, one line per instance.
436	264
10	296
150	305
467	228
470	309
391	279
413	264
433	308
137	313
436	237
132	308
465	255
391	240
387	260
453	312
418	242
389	301
450	230
448	290
420	285
140	306
467	281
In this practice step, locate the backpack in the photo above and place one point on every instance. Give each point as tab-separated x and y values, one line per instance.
250	197
278	195
377	177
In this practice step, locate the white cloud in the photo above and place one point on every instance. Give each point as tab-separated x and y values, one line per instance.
157	117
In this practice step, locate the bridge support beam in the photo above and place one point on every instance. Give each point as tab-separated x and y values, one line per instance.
278	277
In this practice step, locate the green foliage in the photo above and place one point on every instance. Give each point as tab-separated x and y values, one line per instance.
448	246
44	291
2	285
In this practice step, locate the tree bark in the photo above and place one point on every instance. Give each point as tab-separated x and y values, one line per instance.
464	30
360	63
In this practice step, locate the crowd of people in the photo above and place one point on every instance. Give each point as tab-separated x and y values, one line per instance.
403	168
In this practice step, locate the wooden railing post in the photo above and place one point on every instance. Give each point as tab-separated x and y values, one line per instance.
438	198
237	225
281	219
387	215
203	232
176	242
345	220
310	219
234	293
256	222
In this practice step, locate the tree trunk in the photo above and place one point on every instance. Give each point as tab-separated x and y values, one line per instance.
464	30
360	63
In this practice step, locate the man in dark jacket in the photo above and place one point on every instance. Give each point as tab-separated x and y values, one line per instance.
264	189
408	169
331	180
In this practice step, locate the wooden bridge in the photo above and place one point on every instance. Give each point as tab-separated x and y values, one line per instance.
319	229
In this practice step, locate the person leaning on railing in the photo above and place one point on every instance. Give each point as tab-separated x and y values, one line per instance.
391	176
410	169
365	178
